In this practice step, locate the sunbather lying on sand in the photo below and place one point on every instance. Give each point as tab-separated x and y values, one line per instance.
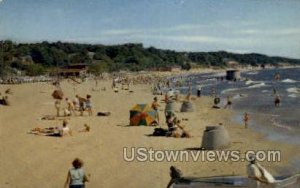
39	130
178	131
53	131
174	130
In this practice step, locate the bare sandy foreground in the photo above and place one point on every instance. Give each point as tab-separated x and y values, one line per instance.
31	161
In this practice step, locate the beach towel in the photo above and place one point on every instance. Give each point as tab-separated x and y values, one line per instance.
160	132
103	113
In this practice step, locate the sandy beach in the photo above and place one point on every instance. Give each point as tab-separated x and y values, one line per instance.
29	160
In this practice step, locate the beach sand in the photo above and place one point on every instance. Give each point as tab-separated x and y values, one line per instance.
28	160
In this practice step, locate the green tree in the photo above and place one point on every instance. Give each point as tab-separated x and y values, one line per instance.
81	57
98	68
186	66
41	55
35	70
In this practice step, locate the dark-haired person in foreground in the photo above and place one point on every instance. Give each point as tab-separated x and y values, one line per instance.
76	176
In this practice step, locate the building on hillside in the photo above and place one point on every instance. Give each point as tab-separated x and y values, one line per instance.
231	63
74	70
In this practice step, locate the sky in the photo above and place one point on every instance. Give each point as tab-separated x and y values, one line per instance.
269	27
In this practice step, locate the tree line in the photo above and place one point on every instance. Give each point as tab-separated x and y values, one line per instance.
36	58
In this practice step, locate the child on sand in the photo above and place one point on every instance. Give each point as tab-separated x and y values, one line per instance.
57	105
85	129
155	106
246	119
229	102
70	106
67	112
65	130
88	105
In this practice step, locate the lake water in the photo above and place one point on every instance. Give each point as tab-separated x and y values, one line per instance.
254	94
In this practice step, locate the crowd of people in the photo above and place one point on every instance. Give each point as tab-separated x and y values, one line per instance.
73	107
25	79
79	105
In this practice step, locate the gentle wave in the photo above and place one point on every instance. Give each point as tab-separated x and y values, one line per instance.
276	124
249	82
258	85
230	89
293	90
288	81
252	73
292	96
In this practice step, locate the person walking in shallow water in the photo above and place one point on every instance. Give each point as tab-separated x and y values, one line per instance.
277	101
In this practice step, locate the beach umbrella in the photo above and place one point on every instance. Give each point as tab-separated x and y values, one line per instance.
142	114
58	94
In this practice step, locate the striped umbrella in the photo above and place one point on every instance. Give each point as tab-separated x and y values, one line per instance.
142	114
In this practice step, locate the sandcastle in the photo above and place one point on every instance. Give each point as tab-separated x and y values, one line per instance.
215	137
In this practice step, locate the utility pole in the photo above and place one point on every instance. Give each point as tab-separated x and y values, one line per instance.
2	54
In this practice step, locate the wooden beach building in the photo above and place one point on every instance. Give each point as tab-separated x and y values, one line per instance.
74	70
233	74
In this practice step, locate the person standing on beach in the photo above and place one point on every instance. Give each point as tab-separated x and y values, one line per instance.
229	102
246	119
113	83
82	102
155	106
88	105
76	176
57	105
213	91
199	91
